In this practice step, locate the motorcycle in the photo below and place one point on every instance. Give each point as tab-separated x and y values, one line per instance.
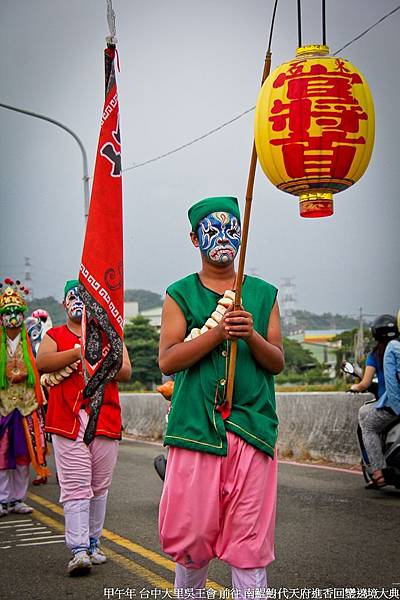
390	438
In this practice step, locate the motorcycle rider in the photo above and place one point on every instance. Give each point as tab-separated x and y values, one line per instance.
375	417
382	332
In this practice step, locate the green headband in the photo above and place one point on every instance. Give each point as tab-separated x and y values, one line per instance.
71	283
207	206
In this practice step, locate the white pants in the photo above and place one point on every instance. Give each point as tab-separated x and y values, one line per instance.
84	520
242	580
14	483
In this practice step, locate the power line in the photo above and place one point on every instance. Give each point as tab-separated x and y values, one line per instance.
201	137
245	112
358	37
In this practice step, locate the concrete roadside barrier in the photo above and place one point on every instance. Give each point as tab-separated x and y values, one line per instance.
143	415
319	425
313	425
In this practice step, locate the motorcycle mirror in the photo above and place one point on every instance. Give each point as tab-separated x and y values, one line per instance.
348	368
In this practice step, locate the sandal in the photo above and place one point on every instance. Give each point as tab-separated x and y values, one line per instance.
376	485
379	481
371	485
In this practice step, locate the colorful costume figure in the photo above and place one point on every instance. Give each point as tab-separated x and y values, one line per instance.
21	399
84	472
219	494
36	326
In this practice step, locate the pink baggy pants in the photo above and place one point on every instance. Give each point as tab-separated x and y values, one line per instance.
224	507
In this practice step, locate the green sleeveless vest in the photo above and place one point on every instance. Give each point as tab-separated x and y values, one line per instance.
194	421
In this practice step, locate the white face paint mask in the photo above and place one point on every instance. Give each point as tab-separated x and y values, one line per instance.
74	305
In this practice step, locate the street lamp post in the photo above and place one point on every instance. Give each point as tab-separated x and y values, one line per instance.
76	138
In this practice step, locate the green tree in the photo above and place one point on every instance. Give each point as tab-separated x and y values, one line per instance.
297	358
308	320
142	340
301	367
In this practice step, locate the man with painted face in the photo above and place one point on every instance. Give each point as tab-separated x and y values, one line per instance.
219	493
21	421
84	472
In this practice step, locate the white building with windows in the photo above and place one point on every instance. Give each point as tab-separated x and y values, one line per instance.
154	316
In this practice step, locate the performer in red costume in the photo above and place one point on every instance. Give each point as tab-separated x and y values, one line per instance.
84	472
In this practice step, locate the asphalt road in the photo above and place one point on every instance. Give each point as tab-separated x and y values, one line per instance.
331	533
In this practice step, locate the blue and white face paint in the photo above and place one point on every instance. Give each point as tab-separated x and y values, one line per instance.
219	237
74	305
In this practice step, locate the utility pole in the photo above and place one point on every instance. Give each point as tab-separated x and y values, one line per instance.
288	300
28	278
359	340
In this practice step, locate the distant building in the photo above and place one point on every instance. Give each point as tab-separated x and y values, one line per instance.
154	316
131	310
321	345
322	336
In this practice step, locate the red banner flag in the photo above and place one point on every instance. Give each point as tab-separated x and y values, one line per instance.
101	278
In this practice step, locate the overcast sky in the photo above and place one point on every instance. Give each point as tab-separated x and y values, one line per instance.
186	67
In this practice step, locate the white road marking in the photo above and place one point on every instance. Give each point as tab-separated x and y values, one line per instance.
27	532
8	523
34	532
45	537
20	527
42	543
14	526
31	527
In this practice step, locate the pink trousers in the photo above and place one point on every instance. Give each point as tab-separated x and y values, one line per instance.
84	471
223	507
84	474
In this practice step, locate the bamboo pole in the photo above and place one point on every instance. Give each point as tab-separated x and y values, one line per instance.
243	247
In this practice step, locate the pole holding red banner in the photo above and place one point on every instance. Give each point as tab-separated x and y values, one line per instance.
101	278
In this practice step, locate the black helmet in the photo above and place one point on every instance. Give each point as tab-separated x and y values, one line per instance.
384	328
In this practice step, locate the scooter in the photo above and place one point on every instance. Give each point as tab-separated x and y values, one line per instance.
390	439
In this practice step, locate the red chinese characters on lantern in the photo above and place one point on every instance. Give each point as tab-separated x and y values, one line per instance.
323	118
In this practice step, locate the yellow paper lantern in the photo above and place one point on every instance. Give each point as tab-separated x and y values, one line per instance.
314	128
